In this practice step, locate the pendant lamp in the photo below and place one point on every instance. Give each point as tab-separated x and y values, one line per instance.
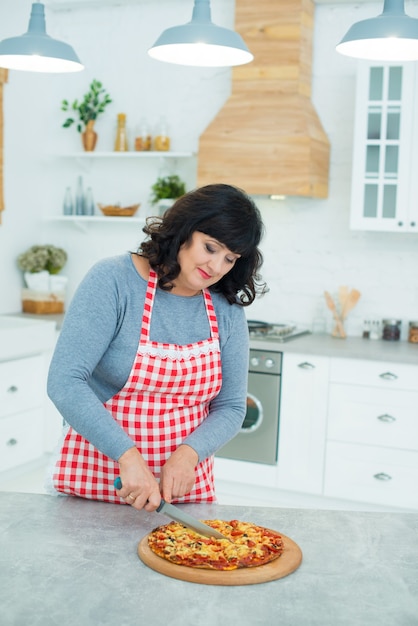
391	36
35	51
201	43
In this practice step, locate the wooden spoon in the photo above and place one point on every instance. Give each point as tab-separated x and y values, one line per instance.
350	303
342	296
339	328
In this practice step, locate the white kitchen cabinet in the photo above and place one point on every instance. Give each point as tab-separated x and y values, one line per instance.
372	435
21	411
385	157
24	343
303	422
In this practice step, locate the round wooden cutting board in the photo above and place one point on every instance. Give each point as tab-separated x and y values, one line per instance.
287	563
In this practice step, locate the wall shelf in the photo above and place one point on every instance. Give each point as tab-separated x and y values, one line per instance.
129	155
82	221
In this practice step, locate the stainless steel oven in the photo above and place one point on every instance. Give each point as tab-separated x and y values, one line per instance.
258	439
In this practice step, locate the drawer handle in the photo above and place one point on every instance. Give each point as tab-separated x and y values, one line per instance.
12	389
12	442
386	418
306	366
388	376
382	476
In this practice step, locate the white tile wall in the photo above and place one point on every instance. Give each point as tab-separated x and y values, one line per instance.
308	246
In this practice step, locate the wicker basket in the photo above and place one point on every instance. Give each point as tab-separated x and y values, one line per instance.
42	302
117	211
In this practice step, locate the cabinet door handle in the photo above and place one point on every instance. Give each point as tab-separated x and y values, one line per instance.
306	366
382	476
12	442
12	389
388	376
388	419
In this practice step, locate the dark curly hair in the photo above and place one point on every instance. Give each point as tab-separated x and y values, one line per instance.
223	212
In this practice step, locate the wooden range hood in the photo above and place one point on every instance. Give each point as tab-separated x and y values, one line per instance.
267	138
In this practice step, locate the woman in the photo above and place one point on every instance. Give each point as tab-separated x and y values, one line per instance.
150	369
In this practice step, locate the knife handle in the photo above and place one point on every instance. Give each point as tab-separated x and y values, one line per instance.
118	485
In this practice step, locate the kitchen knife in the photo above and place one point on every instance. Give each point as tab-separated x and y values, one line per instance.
184	518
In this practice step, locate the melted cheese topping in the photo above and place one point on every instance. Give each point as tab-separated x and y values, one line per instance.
251	545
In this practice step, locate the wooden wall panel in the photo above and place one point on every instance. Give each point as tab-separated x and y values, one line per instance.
268	138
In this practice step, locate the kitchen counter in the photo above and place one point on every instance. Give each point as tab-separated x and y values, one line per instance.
57	318
349	348
68	561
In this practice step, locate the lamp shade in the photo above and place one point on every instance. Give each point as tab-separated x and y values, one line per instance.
35	51
391	36
201	43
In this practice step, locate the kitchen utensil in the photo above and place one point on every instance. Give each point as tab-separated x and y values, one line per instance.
339	328
181	516
284	565
342	297
350	302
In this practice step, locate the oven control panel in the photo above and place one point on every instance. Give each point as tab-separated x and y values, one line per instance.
265	362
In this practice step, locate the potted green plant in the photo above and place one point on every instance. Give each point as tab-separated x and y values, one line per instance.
166	189
45	292
89	108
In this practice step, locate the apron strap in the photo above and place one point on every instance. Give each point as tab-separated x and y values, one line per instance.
149	301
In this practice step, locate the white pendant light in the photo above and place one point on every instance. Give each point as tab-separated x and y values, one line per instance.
201	43
391	36
35	51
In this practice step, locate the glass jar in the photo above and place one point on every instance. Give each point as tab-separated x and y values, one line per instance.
143	137
162	139
121	140
413	332
392	330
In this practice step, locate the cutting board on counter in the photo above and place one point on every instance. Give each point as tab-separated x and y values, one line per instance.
287	563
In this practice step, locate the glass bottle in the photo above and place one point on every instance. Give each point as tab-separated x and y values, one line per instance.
79	197
89	202
68	205
143	137
121	140
162	140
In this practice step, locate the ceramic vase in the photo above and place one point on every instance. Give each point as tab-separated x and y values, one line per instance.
89	137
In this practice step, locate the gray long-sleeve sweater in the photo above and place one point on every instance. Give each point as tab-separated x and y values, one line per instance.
97	346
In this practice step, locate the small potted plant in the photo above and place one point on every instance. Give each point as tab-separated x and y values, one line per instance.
45	292
166	189
89	108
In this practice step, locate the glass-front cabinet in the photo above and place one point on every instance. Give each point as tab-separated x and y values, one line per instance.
384	193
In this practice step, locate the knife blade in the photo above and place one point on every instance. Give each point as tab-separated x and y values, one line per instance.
181	516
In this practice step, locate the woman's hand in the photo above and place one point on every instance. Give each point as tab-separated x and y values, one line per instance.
139	486
178	473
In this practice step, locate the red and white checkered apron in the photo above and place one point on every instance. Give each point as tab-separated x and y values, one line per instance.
165	398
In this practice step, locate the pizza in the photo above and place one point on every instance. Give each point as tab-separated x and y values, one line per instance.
250	545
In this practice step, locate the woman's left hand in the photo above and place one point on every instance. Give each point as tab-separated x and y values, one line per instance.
178	473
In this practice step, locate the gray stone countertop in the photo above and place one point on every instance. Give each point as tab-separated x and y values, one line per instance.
349	348
67	561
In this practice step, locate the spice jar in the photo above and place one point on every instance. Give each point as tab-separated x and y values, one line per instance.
143	137
413	332
162	139
392	330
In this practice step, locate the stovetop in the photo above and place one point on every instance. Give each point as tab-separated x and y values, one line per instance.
275	332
